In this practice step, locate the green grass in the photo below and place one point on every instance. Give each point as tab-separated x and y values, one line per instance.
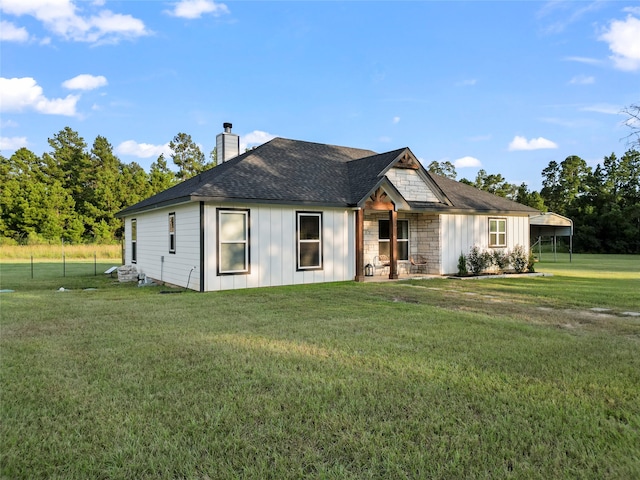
431	379
602	281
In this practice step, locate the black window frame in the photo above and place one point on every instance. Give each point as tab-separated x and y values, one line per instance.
134	240
307	241
386	239
172	233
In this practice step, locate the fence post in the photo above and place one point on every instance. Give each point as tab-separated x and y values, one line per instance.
31	267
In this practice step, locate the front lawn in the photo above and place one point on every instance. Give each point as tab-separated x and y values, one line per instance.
513	378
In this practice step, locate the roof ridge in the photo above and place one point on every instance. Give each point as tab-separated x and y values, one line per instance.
326	145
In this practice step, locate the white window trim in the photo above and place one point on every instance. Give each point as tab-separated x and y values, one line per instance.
497	233
300	241
245	242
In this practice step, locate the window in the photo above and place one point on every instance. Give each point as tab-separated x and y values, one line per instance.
403	238
172	232
497	232
233	241
309	241
134	240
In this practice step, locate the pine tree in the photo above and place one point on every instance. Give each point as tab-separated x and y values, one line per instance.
187	156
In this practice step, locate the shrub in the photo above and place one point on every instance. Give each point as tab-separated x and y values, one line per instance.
7	241
500	259
478	260
519	259
462	265
530	262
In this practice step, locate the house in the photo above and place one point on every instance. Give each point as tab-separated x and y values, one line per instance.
293	212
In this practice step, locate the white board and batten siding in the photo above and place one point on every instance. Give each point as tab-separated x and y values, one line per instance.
154	258
460	233
273	248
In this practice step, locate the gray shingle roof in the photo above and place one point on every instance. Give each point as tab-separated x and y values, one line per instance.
466	197
296	172
281	170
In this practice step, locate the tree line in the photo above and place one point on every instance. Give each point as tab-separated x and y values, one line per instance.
72	193
604	203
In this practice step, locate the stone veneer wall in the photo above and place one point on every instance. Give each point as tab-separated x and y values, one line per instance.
424	237
411	185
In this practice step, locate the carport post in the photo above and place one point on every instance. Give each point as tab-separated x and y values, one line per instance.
539	248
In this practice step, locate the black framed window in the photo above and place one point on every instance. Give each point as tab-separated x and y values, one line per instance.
309	240
403	238
233	241
134	240
172	232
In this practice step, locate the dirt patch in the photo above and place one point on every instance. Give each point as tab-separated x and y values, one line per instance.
571	319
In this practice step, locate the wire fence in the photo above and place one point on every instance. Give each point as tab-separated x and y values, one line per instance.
41	269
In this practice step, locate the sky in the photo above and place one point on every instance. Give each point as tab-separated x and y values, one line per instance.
502	86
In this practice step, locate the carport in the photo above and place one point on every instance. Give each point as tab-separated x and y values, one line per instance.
551	225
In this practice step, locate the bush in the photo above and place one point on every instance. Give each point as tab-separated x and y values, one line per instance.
478	260
530	262
7	241
500	259
462	265
519	259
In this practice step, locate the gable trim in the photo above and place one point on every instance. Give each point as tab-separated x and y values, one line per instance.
392	192
407	157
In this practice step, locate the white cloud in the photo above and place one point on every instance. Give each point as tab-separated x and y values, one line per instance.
566	13
7	124
12	143
603	108
467	83
143	150
396	120
540	143
10	33
196	8
587	60
466	162
623	37
582	80
18	94
634	10
253	139
61	18
580	123
85	82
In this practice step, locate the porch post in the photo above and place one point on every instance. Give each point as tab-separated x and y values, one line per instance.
393	244
359	245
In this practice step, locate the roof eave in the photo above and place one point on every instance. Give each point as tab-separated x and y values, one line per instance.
127	212
468	211
262	201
